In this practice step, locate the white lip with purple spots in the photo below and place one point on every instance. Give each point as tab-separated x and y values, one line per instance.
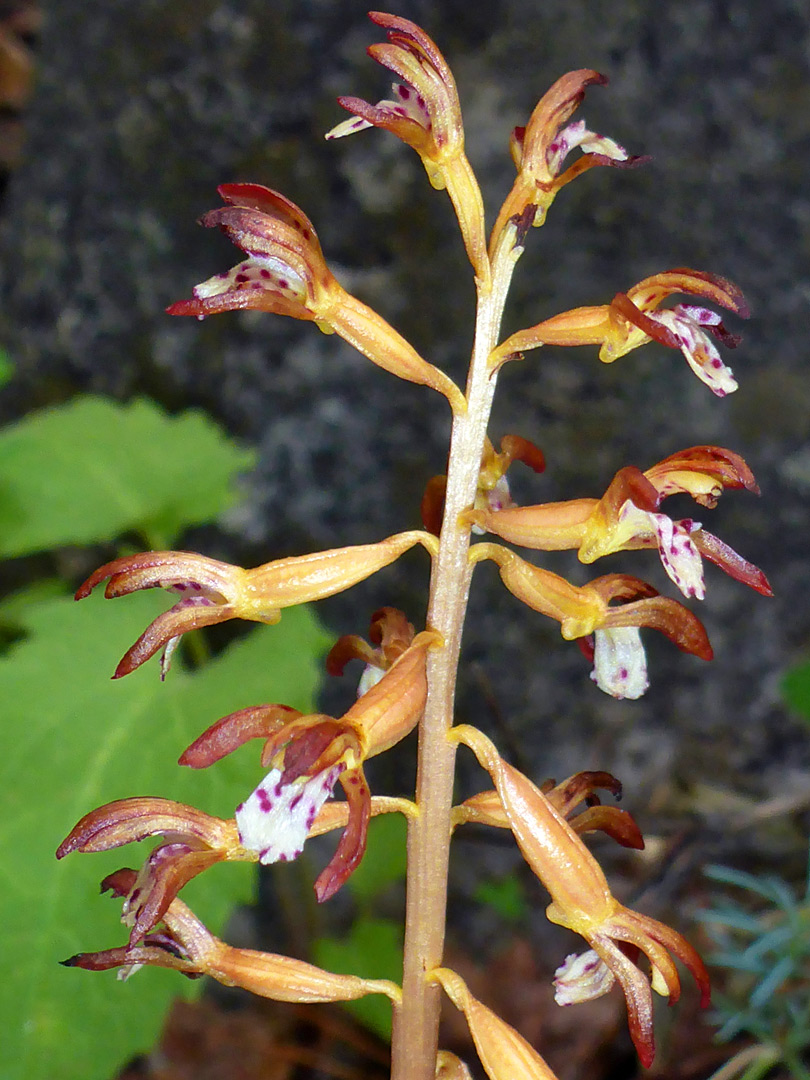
679	555
276	818
685	322
407	104
257	272
577	134
619	662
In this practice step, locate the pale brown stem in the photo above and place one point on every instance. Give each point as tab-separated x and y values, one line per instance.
416	1021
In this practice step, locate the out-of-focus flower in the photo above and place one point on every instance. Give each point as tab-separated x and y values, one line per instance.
636	317
285	273
424	113
186	945
194	841
627	518
504	1053
540	149
213	592
493	488
486	808
309	754
582	900
390	635
611	608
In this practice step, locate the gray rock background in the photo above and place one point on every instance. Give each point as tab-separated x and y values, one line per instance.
142	109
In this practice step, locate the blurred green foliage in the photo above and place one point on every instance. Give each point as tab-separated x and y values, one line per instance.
762	941
796	689
506	896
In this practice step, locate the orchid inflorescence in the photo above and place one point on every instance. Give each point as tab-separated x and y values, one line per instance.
409	677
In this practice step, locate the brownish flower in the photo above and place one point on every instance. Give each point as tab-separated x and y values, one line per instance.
486	808
425	114
194	841
308	755
582	900
185	945
540	149
627	518
636	317
285	272
493	487
610	609
213	592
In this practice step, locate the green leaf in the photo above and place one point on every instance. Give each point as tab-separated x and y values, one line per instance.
372	950
15	607
506	896
93	469
796	689
385	860
72	740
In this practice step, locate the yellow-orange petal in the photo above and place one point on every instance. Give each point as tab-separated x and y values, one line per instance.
302	578
504	1052
547	842
392	707
283	978
376	339
579	610
557	526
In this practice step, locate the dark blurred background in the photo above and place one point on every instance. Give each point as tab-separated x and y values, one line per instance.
139	110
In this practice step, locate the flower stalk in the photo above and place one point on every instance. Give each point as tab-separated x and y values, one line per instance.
417	1021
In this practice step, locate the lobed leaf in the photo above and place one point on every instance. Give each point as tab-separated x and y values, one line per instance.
93	469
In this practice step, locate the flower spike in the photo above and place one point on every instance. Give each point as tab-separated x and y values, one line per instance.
425	113
187	946
285	273
636	317
540	149
582	900
213	592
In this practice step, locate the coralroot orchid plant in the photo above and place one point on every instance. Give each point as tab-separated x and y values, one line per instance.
409	678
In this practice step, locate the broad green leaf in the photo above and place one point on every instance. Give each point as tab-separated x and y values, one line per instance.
385	861
15	608
93	469
796	689
71	739
373	949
